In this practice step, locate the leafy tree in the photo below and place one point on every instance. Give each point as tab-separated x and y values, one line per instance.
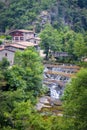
45	5
69	38
21	14
12	109
8	37
7	100
51	40
75	101
80	46
4	64
27	71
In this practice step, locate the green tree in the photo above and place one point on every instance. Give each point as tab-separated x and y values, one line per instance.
80	46
27	71
75	101
50	40
69	38
8	37
7	100
4	64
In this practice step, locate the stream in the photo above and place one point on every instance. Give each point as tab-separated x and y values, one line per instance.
55	77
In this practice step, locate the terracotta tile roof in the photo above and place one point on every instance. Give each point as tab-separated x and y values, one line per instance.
21	30
1	49
26	44
16	46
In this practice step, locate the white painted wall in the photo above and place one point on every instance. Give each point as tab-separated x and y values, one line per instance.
28	35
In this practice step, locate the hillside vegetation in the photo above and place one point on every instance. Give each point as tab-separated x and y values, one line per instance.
21	85
23	13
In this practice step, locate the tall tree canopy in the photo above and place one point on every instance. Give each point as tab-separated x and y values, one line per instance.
22	14
51	40
65	40
27	71
75	101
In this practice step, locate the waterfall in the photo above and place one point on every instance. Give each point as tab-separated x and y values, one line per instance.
53	93
56	77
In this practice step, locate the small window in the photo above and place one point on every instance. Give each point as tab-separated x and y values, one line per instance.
21	38
6	54
35	42
16	38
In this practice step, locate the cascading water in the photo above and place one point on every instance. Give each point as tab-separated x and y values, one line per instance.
53	93
57	78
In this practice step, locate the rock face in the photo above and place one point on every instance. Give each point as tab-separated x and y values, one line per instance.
48	105
43	103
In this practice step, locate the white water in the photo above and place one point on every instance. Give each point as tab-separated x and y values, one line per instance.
53	93
55	89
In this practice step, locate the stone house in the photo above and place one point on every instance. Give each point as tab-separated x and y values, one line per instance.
8	51
21	35
21	39
4	53
35	40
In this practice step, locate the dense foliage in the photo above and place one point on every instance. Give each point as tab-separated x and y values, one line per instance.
26	73
75	101
20	14
21	84
19	87
72	13
24	13
17	106
64	40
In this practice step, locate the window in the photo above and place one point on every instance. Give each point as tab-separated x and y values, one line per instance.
21	38
6	54
16	38
35	42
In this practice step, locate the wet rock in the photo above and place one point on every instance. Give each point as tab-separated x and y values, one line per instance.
44	102
39	106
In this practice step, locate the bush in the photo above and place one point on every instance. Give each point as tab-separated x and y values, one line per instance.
8	37
83	64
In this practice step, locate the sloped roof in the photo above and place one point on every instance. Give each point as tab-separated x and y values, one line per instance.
16	46
21	30
1	49
26	44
